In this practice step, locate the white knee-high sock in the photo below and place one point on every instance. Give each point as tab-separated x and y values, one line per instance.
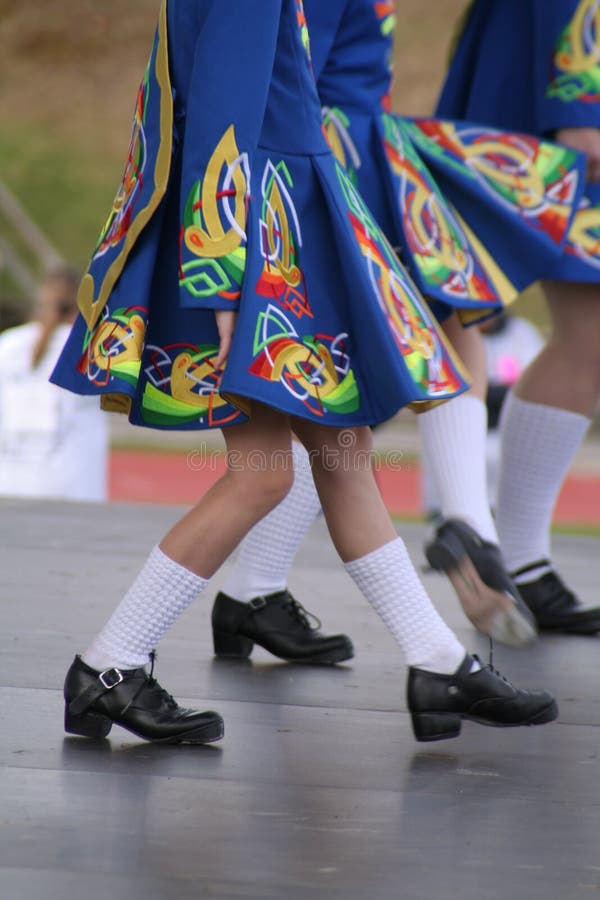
538	445
454	445
267	552
388	580
160	593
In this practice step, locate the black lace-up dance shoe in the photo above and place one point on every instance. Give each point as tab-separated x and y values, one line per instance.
132	698
488	596
278	623
554	606
439	703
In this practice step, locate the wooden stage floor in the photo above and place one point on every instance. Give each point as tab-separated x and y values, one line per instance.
318	790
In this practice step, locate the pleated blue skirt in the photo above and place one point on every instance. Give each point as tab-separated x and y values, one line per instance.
232	199
532	65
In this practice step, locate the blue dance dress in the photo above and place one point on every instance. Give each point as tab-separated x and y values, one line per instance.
232	199
534	65
476	213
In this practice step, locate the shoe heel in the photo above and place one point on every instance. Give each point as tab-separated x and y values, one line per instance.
88	724
234	646
435	726
444	553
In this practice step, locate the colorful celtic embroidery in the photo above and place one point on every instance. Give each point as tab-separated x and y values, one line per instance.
426	356
113	348
576	61
314	369
437	242
213	235
386	13
533	179
121	215
180	381
282	278
336	125
584	235
144	182
301	19
181	386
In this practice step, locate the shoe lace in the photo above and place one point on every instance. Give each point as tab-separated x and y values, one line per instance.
153	683
150	683
299	614
490	665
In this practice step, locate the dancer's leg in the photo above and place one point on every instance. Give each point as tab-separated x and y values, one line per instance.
443	680
546	420
366	540
454	440
259	474
255	605
267	552
445	687
454	448
258	477
543	425
465	545
566	373
110	684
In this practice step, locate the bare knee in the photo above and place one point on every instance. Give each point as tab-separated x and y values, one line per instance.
341	453
262	489
575	315
276	484
260	466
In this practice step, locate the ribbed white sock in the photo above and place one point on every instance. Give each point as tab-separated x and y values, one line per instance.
454	445
160	593
267	552
389	582
538	445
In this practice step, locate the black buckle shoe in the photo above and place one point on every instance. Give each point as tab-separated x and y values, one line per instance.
487	594
439	703
132	698
278	623
554	606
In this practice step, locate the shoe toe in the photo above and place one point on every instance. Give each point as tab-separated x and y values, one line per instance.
512	628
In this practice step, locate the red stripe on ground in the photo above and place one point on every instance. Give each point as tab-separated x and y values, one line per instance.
579	501
182	478
154	477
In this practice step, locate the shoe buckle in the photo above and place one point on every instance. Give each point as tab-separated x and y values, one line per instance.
258	603
110	678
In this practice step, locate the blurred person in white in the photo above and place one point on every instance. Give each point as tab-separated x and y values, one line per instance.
52	443
13	312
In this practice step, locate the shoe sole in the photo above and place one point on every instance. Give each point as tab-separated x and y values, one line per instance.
581	623
492	612
96	726
331	659
207	735
432	726
327	659
238	647
548	714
